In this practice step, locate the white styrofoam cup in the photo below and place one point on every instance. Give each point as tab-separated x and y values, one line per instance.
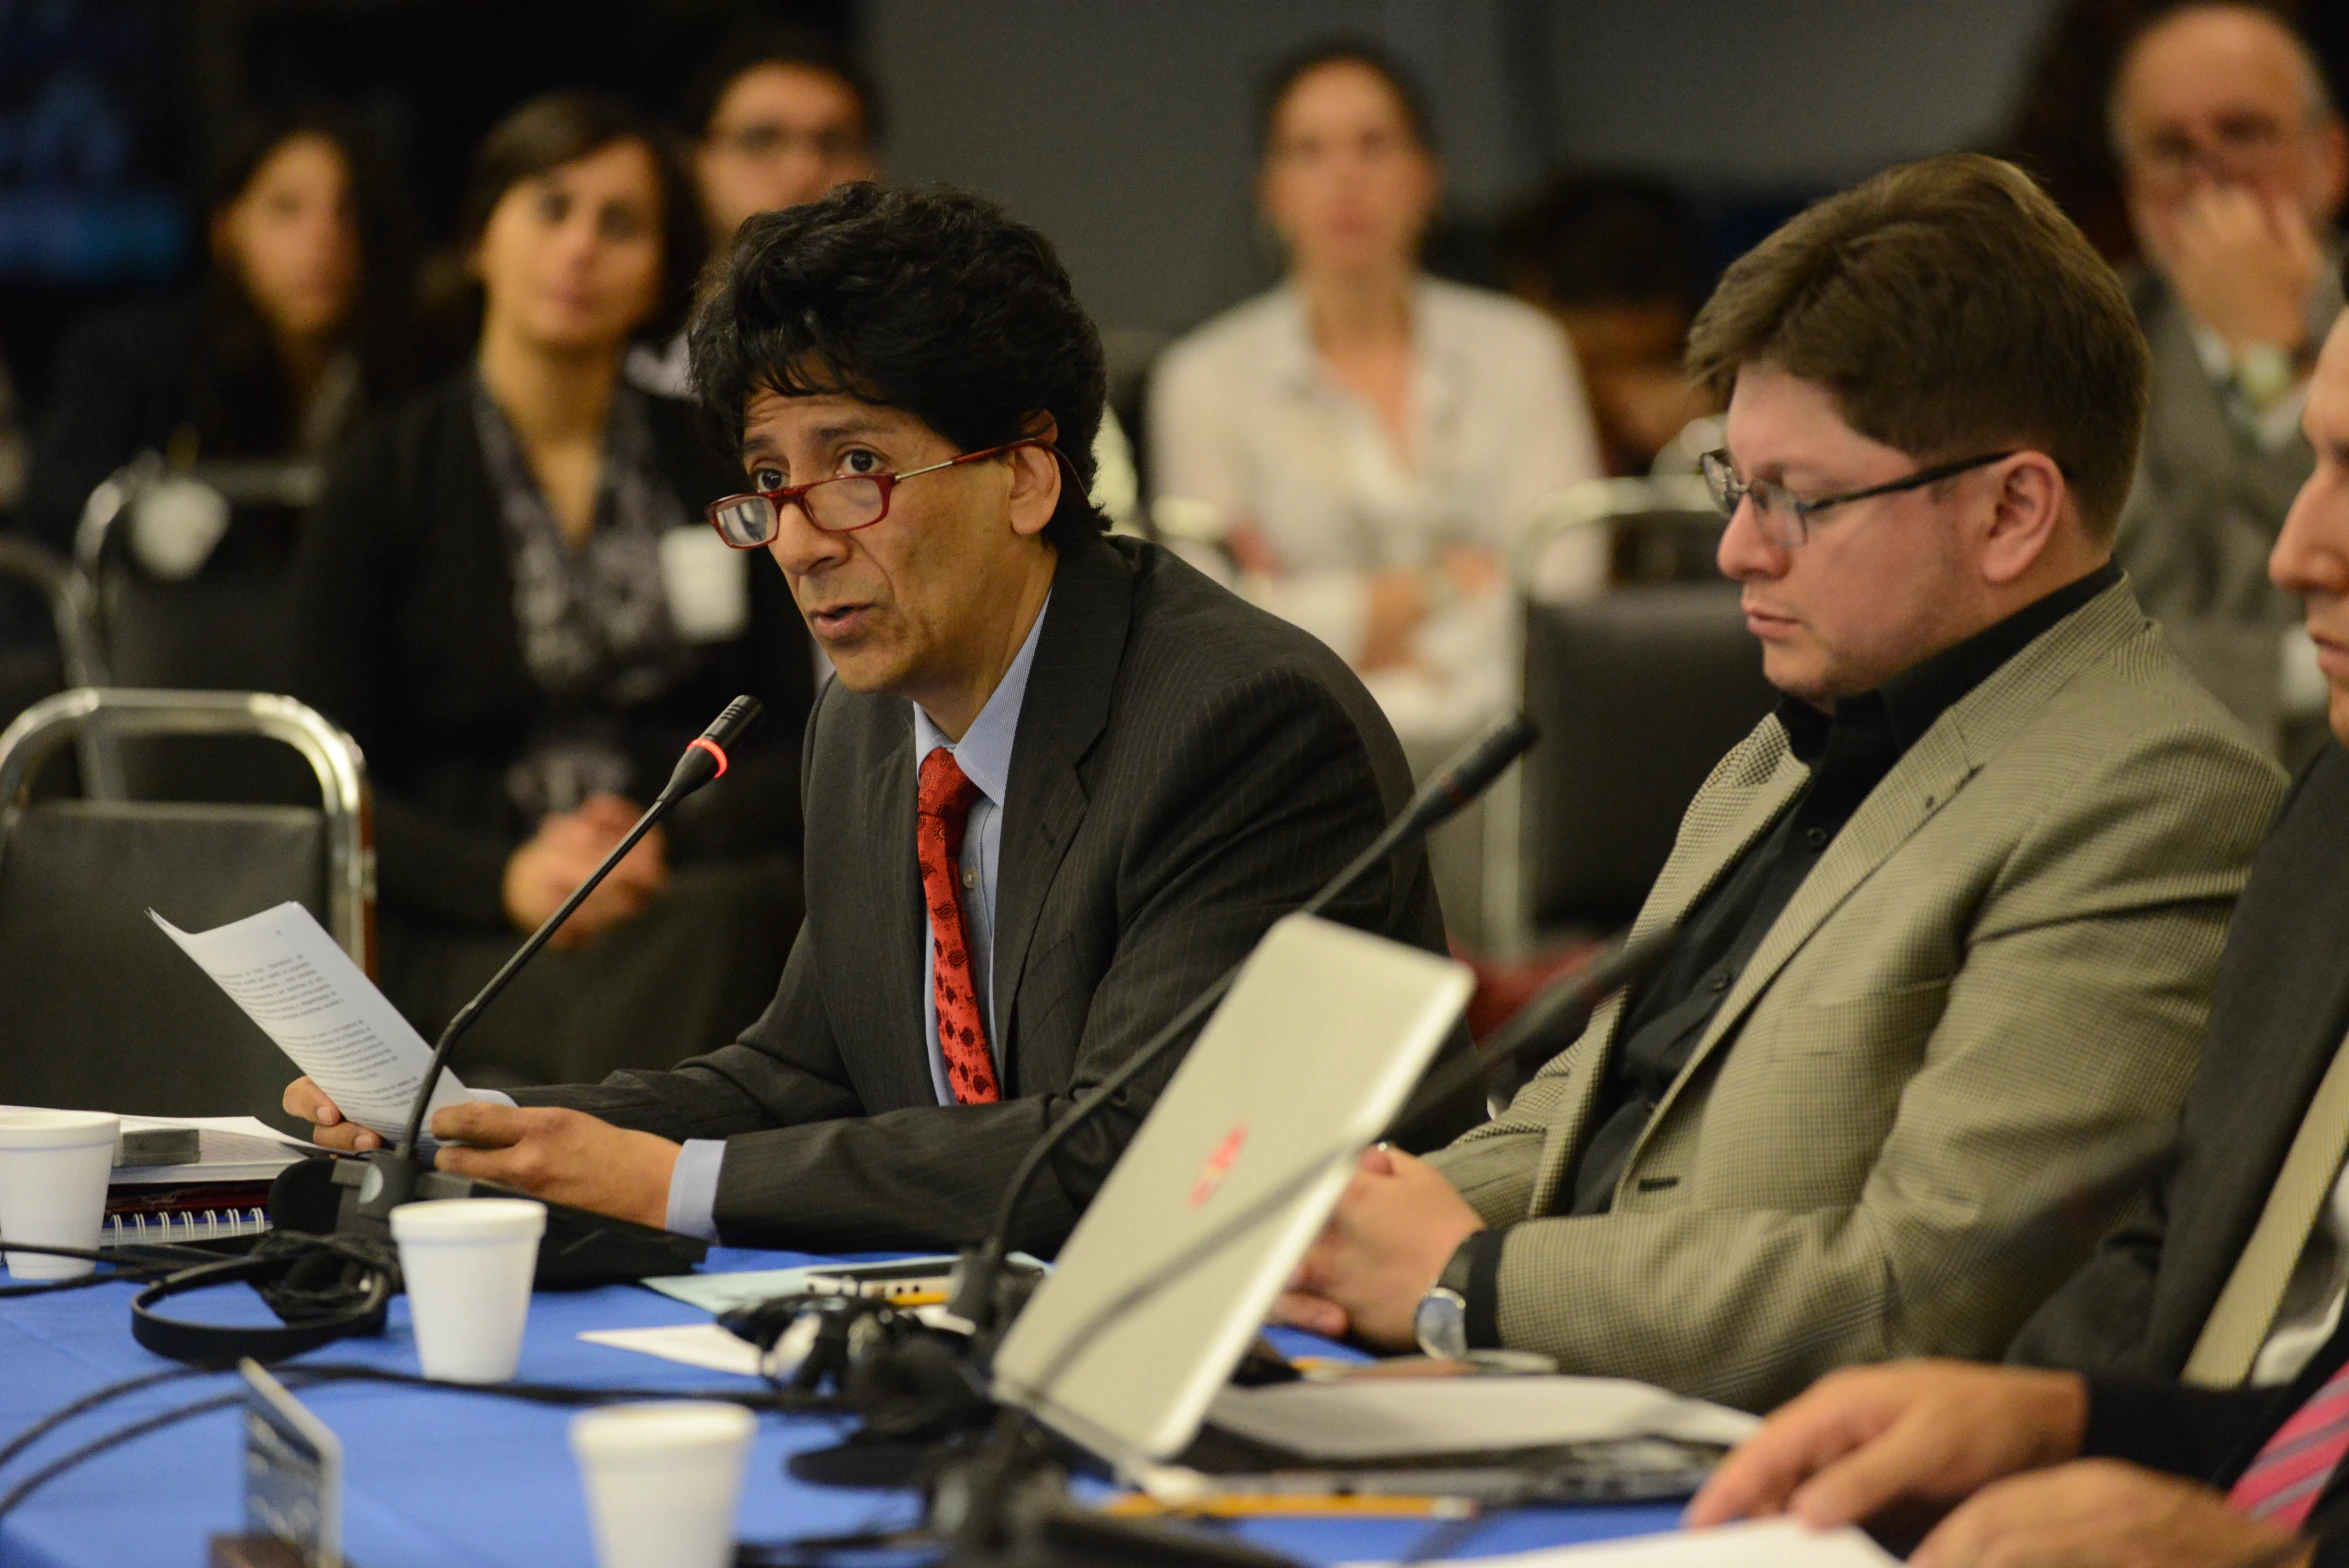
663	1479
53	1171
467	1264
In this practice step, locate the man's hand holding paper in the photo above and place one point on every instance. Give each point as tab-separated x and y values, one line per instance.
360	1059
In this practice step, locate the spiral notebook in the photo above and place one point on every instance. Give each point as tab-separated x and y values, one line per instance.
149	1227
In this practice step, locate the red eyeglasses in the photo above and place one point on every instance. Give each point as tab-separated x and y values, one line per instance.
837	506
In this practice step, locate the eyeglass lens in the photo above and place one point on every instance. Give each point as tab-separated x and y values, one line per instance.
1776	512
835	505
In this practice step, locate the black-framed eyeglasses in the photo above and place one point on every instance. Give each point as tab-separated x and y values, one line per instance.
838	505
1784	518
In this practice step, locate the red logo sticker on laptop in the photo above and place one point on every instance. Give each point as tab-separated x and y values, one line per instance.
1219	1165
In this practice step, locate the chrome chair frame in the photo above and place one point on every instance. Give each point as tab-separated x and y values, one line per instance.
64	592
272	482
38	732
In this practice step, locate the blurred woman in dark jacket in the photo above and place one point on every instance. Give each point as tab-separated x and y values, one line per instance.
508	594
300	324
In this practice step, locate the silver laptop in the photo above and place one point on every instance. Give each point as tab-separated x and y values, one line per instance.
1172	1268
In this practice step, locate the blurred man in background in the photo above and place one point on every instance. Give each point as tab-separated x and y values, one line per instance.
1618	261
776	117
2233	162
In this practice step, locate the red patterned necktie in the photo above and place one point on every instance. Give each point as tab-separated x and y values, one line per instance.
941	813
2294	1466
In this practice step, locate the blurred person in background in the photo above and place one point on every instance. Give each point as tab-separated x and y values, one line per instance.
1371	438
1618	261
2233	163
299	325
777	116
509	597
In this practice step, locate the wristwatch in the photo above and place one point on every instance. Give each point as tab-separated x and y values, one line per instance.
1441	1322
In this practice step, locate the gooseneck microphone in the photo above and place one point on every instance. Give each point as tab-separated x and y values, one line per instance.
704	760
1452	787
328	1268
1547	1024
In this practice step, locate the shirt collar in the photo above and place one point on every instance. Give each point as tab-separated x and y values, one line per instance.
1290	358
984	752
1917	697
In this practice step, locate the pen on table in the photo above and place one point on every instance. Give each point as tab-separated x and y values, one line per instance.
1258	1505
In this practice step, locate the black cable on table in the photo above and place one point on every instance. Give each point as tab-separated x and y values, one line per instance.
137	1263
114	1439
91	1401
304	1377
566	1394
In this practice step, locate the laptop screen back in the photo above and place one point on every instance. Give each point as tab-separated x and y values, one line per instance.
1172	1268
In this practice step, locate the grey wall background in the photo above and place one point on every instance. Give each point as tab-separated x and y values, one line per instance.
1123	128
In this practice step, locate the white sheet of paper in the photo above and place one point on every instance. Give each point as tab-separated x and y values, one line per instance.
707	1345
290	978
232	1148
1375	1418
695	1344
1765	1543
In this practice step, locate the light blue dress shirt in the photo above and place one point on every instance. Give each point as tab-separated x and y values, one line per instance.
984	753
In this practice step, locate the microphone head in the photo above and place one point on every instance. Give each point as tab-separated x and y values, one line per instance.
742	715
705	756
1472	770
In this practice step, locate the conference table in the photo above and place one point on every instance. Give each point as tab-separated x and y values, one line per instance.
444	1476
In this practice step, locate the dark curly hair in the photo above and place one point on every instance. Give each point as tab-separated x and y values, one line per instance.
927	300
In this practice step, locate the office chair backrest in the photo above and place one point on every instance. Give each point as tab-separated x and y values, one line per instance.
1638	689
1638	693
101	1010
185	576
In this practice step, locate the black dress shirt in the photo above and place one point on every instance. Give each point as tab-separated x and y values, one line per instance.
1848	752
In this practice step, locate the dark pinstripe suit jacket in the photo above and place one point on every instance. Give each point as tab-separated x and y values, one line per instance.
2138	1305
1187	770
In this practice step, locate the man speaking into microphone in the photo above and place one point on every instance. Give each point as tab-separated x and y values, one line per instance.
1060	783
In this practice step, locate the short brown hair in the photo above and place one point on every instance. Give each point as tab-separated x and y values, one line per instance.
1952	309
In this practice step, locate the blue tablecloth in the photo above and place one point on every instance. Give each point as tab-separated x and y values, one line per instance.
448	1478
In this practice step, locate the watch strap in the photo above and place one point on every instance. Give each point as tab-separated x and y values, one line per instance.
1474	1274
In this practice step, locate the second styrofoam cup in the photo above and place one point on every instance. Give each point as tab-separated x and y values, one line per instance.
53	1171
467	1264
663	1479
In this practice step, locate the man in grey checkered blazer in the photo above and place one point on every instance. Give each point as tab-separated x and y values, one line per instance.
1950	917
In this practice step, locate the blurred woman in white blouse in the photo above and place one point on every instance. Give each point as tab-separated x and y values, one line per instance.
1371	438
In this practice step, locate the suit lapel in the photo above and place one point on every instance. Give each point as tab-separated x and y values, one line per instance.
1745	795
1754	785
1922	783
1063	713
1919	785
898	923
2275	1026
